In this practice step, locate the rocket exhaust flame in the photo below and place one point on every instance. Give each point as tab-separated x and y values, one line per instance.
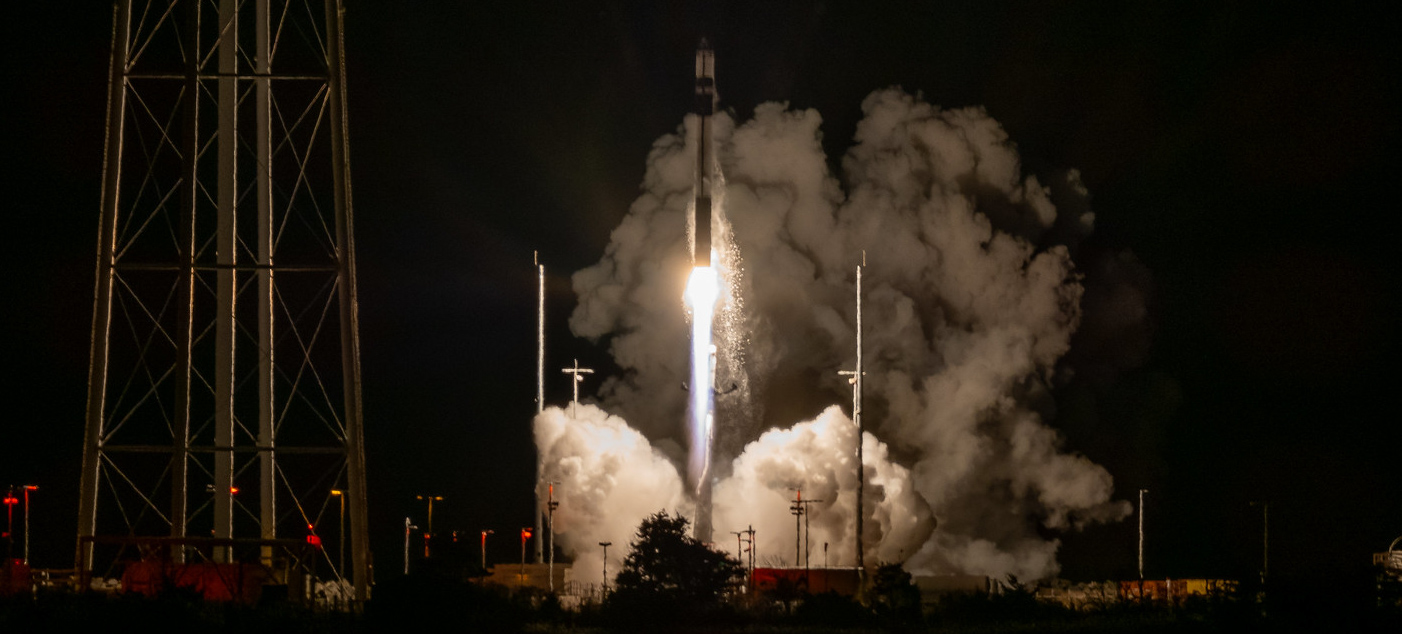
702	290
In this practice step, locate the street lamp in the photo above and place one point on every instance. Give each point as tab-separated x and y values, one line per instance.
341	534
606	565
429	533
484	548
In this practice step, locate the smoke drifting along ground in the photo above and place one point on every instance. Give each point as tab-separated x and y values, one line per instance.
971	298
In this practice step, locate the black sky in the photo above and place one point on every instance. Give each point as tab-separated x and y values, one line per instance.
1246	153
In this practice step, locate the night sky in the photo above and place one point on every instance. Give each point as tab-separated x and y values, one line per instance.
1246	153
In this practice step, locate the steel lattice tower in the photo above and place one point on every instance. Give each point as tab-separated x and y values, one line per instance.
224	386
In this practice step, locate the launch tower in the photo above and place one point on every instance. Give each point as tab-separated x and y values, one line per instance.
223	414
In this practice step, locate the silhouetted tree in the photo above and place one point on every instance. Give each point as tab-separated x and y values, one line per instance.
670	571
894	595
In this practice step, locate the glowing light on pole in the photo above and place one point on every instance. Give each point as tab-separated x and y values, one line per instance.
429	533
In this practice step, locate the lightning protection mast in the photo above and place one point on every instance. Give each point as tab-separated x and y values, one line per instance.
224	379
539	385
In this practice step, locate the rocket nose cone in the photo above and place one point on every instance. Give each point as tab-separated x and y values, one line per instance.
705	45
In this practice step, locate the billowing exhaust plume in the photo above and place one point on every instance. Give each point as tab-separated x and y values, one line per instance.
816	457
610	478
971	300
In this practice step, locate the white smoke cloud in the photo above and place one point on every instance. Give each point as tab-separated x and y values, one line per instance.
971	297
610	478
817	457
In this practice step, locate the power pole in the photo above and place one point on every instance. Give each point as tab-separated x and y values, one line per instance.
225	350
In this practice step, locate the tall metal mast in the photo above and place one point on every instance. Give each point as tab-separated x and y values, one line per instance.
225	367
539	387
856	381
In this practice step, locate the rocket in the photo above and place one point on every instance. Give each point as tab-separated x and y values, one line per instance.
706	100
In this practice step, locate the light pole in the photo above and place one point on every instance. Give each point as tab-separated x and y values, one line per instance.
1141	541
408	526
428	534
27	489
739	549
484	548
341	534
525	535
606	565
578	378
550	506
1265	539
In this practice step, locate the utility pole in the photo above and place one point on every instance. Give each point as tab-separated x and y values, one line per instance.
578	373
551	505
1265	539
606	566
408	526
484	547
796	510
753	547
539	376
739	548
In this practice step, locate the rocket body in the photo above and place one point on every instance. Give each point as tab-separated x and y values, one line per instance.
702	292
706	100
